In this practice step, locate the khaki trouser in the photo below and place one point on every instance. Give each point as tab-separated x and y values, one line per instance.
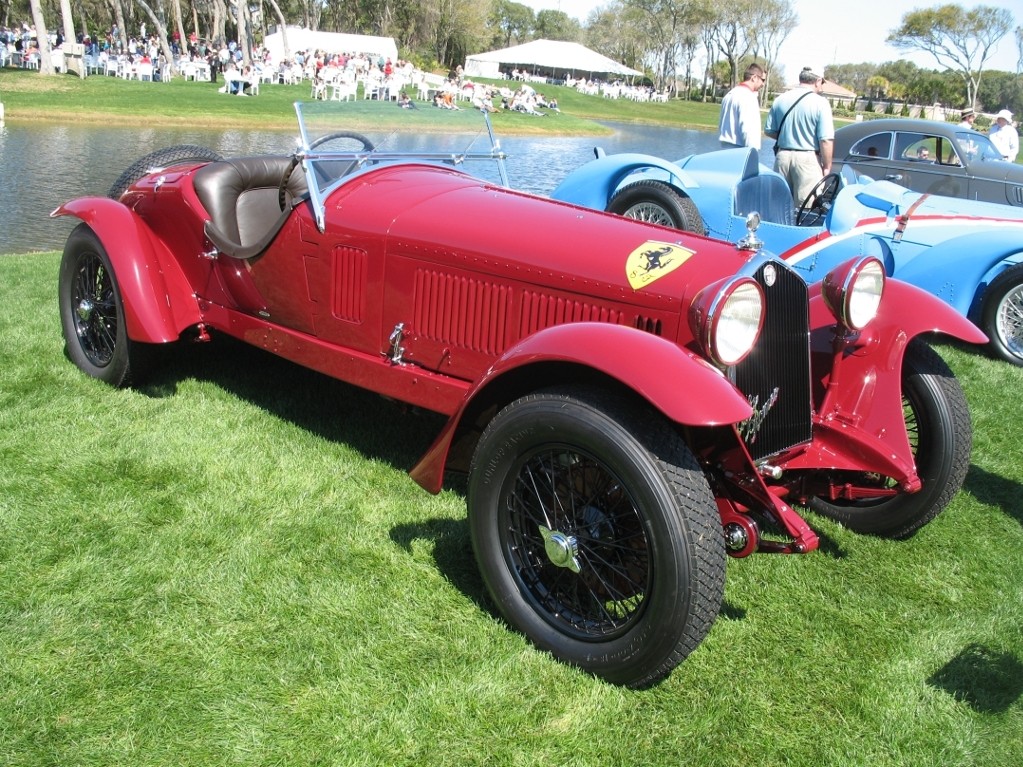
801	169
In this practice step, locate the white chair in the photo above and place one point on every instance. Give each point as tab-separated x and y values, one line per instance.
144	71
112	67
342	91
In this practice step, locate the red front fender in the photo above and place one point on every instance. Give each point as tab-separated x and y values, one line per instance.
860	423
158	301
678	383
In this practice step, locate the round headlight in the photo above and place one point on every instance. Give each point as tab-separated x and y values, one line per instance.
853	291
726	319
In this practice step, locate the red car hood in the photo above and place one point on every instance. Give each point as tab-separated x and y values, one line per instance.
435	214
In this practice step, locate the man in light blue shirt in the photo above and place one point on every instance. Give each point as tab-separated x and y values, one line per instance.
800	121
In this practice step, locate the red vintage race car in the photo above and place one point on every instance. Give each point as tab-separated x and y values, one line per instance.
632	404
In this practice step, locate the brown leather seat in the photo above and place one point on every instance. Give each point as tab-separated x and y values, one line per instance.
242	197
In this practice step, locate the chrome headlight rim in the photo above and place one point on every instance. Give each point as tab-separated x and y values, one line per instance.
853	291
725	322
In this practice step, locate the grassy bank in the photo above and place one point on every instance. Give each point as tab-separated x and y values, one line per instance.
231	566
29	97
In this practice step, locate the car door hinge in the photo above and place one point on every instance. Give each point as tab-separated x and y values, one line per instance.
396	351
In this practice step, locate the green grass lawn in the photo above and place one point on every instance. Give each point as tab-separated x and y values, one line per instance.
28	96
231	566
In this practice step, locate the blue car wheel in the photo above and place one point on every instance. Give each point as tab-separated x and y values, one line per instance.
1003	315
657	203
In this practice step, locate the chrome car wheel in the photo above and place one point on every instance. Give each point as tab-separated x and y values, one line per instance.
1009	322
657	203
1002	315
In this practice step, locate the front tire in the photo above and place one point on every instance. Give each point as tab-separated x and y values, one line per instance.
938	423
1002	317
596	533
657	203
92	313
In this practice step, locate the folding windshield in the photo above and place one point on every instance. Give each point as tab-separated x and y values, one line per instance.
340	139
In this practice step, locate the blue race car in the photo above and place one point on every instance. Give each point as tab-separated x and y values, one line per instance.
968	253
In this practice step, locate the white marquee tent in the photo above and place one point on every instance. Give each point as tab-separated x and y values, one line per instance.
300	39
554	58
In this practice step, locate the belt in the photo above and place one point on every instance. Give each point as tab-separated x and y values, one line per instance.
797	150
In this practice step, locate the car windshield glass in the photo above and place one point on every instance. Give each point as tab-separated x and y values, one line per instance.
339	139
976	146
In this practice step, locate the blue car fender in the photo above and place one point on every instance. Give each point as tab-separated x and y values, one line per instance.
592	185
957	270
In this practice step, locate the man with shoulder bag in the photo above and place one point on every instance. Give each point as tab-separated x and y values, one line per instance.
802	126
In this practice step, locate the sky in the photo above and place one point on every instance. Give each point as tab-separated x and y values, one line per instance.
824	37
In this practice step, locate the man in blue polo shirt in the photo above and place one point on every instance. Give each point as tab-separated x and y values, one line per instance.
800	121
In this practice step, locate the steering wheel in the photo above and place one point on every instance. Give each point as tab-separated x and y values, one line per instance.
365	145
821	197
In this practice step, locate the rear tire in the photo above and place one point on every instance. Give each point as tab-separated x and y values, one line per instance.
938	422
161	159
657	203
596	533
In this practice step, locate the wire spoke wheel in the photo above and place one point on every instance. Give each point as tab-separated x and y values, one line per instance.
94	310
1009	321
938	428
576	540
596	532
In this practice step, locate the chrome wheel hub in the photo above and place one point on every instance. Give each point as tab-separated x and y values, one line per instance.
561	549
84	310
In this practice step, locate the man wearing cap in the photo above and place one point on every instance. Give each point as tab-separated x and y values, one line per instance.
1004	136
801	124
968	117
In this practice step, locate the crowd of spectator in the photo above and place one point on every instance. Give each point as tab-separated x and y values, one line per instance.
140	56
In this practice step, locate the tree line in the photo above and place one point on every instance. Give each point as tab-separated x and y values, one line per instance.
695	48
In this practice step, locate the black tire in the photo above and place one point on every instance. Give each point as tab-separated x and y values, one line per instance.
161	159
1002	316
92	313
938	423
596	533
657	203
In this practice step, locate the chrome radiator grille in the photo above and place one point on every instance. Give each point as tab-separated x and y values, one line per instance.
775	377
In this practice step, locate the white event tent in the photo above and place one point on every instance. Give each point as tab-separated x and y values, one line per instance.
551	58
301	39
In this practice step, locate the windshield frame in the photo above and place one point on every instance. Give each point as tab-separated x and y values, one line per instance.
328	168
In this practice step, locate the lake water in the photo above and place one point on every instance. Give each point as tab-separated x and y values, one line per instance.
44	166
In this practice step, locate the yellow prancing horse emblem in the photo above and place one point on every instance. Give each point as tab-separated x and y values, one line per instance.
652	260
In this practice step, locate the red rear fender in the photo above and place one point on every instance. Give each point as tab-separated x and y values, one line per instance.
158	301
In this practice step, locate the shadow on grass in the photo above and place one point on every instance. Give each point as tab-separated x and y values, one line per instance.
377	427
988	681
452	553
993	490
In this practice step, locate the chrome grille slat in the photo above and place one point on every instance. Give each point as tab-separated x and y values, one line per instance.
780	362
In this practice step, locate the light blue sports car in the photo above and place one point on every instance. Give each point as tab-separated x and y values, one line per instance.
968	253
